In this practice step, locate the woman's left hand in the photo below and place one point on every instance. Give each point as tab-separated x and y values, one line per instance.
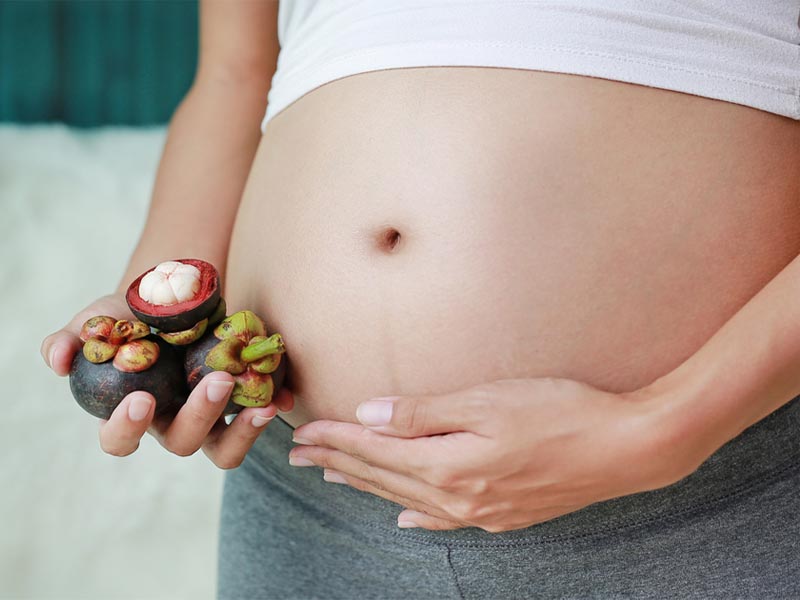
502	455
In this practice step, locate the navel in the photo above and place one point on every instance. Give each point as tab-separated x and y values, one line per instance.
388	239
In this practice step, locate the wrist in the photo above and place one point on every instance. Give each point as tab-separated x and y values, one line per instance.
680	429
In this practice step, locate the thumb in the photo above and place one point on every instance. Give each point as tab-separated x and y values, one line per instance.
417	416
58	350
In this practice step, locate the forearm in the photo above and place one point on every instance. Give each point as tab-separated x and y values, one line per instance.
748	369
209	149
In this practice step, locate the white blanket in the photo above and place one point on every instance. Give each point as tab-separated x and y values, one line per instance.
75	522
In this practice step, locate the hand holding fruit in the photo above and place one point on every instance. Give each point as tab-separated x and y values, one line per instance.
111	356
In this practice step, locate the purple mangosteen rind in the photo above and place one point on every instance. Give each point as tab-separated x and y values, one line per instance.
99	388
181	316
182	321
194	359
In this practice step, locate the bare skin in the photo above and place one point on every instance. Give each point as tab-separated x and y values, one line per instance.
550	226
194	204
567	246
434	233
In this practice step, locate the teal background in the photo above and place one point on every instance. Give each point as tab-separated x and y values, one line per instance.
95	62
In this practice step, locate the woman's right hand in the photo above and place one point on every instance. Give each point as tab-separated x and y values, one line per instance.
198	424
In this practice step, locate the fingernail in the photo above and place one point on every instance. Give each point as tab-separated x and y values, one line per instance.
299	461
406	524
374	413
217	391
260	420
51	356
333	477
138	408
304	441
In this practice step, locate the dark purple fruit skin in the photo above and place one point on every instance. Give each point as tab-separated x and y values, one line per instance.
183	321
99	388
196	368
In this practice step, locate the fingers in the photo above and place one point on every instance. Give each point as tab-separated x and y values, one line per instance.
58	350
228	445
408	456
413	518
376	477
121	434
284	400
366	486
415	416
198	424
185	434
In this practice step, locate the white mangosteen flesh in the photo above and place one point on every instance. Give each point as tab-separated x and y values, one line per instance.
170	283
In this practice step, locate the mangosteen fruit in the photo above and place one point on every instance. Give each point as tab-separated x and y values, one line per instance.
119	357
240	345
178	298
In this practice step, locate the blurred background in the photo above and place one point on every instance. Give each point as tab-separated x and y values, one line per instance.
86	88
90	63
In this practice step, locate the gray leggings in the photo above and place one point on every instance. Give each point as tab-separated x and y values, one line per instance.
731	529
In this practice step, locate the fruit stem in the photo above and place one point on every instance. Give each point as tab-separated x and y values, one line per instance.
272	345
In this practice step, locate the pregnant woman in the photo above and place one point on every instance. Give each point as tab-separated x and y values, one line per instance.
536	266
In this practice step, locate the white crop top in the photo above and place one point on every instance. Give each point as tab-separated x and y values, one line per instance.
741	51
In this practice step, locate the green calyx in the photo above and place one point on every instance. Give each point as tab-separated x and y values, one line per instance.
226	356
245	351
127	331
106	338
261	346
108	329
244	325
136	356
266	365
253	390
97	351
191	335
187	336
97	327
219	313
262	354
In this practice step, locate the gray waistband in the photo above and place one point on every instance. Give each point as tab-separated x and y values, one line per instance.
766	451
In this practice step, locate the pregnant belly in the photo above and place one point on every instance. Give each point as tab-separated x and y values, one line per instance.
423	230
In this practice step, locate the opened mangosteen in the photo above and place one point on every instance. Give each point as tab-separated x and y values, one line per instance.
178	298
240	346
119	357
